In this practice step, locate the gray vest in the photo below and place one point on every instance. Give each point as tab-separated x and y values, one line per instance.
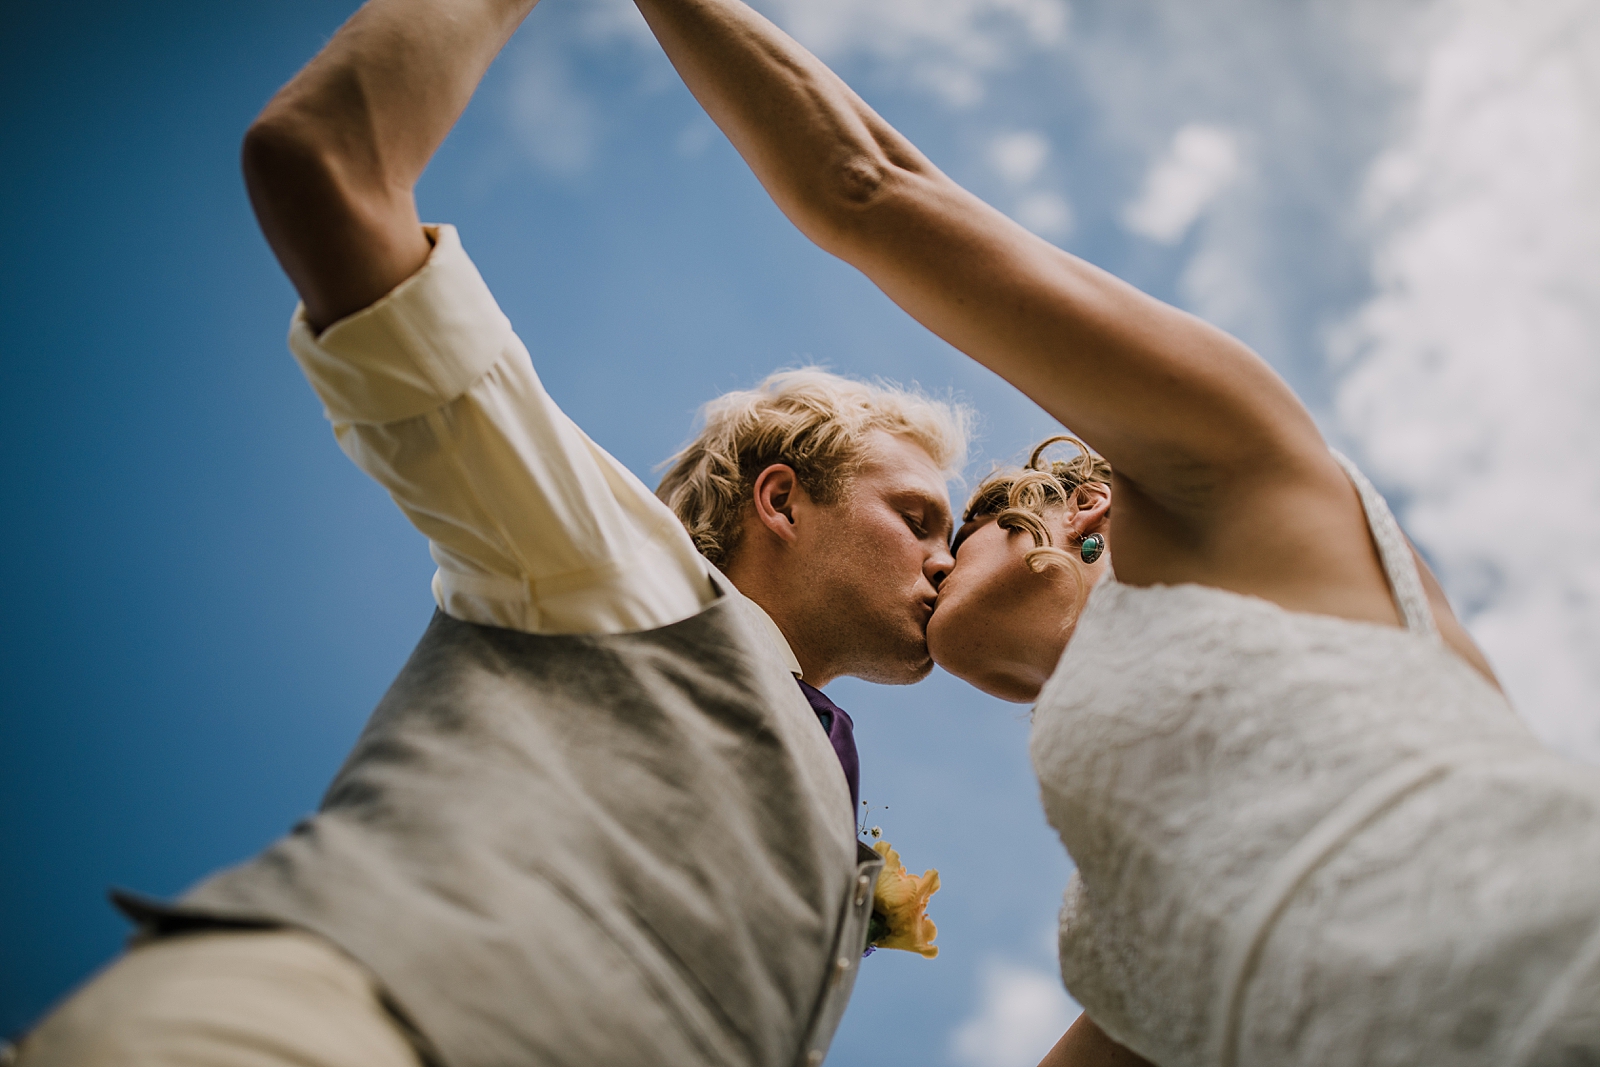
584	849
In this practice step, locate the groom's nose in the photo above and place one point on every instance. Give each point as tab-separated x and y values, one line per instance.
937	565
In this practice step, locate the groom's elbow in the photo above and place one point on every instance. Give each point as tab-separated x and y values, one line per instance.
289	169
340	233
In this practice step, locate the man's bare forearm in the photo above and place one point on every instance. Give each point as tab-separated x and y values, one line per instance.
332	161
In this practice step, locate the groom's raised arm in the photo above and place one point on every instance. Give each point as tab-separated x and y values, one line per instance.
429	390
333	158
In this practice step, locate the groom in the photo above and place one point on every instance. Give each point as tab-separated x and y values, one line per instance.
595	820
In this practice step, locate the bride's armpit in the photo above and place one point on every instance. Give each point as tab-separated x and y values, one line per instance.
1450	629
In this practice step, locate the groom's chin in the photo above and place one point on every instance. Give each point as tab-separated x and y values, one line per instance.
901	670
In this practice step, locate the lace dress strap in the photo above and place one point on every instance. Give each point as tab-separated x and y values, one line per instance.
1405	582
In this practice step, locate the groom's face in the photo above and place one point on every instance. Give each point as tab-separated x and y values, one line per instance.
875	559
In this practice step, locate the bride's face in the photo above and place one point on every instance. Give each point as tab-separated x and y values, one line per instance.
1000	625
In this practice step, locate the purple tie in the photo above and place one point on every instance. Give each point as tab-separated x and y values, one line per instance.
841	734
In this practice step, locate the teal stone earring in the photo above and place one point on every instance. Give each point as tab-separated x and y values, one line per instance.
1092	548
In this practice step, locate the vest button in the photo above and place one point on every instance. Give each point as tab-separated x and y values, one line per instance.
861	889
814	1057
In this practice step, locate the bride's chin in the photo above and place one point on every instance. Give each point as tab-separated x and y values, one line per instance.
944	642
963	671
971	663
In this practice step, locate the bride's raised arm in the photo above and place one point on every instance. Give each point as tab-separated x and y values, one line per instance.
1173	402
1221	476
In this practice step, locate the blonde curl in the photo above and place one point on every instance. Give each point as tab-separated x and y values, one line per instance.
1019	499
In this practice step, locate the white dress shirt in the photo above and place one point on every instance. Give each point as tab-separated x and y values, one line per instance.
534	527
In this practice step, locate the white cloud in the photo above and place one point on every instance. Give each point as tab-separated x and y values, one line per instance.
1023	1011
1019	156
1046	214
958	85
946	47
1308	92
695	138
1474	376
603	21
554	121
1200	164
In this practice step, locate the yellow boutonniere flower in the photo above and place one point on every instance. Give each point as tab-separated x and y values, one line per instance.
899	906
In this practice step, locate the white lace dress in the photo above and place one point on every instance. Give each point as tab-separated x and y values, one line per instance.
1307	840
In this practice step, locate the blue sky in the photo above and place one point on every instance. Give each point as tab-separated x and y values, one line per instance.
1395	203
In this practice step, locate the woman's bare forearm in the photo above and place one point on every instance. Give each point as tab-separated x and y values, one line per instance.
333	159
819	150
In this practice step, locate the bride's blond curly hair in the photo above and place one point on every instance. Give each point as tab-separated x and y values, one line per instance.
1019	498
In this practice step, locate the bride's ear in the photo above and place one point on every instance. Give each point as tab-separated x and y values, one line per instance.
1092	501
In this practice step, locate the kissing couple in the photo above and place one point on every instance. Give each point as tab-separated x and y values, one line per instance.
606	816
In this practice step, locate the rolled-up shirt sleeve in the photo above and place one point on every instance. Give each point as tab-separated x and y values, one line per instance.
533	526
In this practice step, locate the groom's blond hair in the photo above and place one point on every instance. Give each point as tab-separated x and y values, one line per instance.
813	421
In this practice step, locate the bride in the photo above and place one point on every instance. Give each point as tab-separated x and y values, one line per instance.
1308	827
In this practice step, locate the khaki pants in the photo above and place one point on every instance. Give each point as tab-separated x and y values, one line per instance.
224	998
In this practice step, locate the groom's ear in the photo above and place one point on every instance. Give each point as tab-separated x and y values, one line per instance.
776	490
